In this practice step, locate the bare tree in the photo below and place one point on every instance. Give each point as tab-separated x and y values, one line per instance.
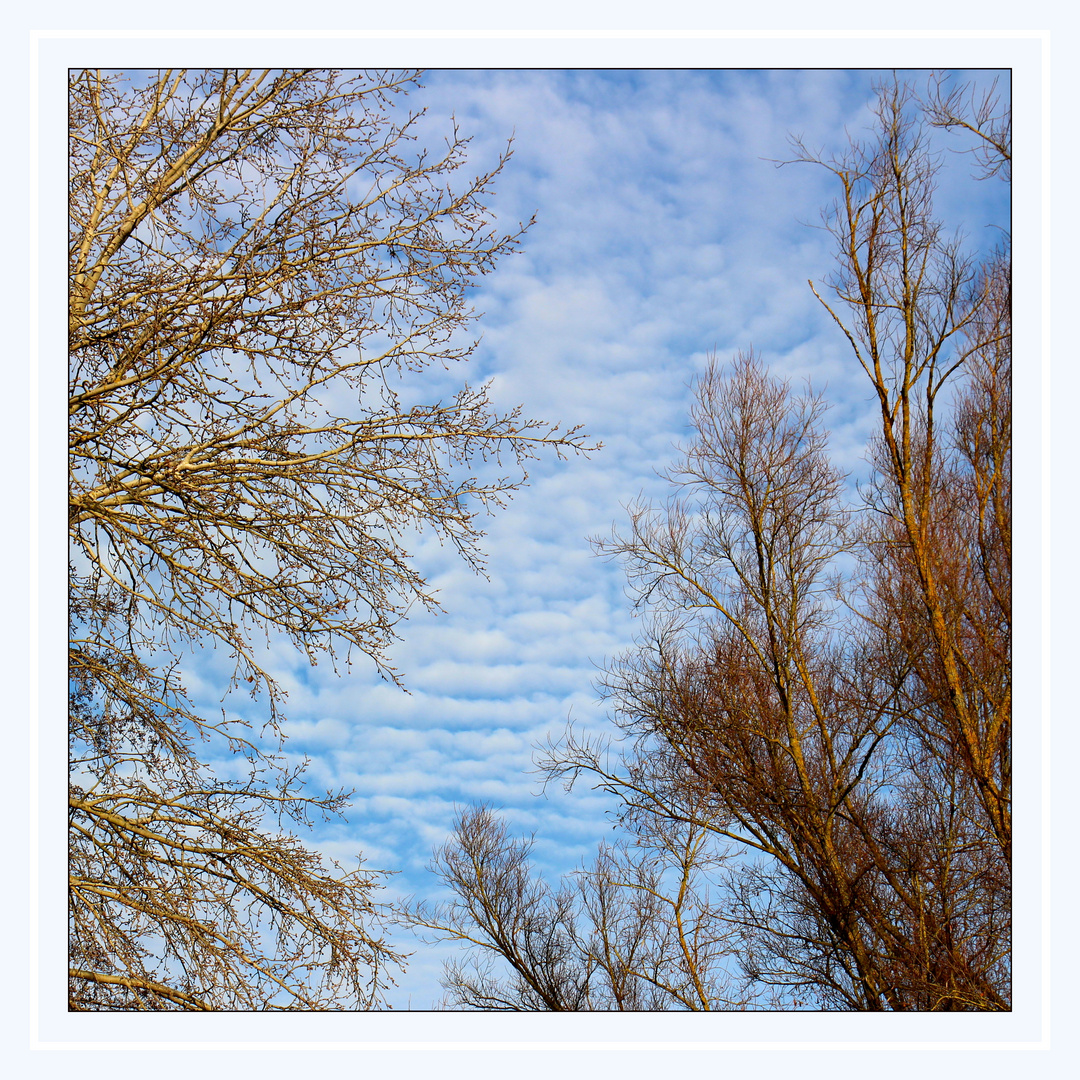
961	108
918	313
634	931
260	268
825	687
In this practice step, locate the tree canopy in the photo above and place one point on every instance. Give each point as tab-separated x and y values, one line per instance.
256	258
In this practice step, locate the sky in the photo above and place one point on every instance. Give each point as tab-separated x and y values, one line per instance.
666	231
1045	594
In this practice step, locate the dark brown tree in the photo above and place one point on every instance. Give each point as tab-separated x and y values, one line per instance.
635	931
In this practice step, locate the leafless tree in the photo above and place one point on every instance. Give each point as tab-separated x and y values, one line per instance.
261	266
959	107
918	314
634	931
822	690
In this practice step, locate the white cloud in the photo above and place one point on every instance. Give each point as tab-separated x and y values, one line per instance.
663	234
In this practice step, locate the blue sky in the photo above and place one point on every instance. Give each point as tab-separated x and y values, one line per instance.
665	231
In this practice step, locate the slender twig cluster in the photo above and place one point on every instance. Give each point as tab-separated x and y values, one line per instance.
259	261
